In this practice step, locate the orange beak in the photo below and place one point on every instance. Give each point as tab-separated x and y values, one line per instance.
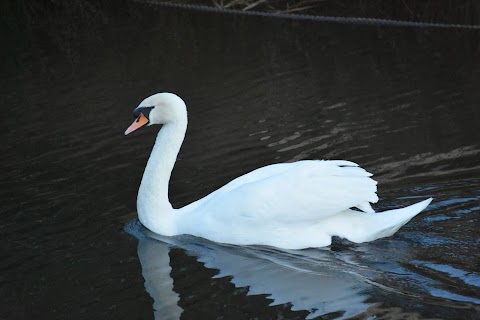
137	124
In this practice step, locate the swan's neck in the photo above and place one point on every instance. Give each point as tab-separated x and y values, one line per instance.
154	208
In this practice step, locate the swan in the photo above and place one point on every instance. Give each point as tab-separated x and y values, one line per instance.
286	205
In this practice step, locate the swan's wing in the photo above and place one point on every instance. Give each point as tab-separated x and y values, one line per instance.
266	172
252	176
303	191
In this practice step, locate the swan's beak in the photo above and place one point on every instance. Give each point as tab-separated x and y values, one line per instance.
137	124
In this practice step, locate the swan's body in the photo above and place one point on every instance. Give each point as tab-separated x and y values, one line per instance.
287	205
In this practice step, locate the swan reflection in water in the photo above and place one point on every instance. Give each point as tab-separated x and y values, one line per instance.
156	270
311	280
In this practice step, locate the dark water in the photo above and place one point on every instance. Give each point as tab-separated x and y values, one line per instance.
404	103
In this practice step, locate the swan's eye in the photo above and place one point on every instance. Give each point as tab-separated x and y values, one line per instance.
144	110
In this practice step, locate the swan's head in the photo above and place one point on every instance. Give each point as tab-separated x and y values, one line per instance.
160	108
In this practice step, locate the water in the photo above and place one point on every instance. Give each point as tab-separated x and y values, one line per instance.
402	102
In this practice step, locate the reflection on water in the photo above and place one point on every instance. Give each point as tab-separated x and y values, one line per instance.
342	281
156	270
316	282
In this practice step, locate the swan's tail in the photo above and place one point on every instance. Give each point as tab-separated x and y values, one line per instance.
364	227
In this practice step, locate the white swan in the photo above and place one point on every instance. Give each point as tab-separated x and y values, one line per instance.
286	205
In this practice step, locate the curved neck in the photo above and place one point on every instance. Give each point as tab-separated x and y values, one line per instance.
154	208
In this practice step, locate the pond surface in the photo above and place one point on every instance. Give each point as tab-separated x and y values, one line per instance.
404	103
